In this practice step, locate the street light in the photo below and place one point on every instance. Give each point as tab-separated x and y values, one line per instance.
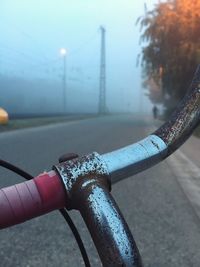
63	53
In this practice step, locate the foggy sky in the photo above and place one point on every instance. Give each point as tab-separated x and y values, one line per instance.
33	31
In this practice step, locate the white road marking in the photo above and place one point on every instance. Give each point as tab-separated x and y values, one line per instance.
188	176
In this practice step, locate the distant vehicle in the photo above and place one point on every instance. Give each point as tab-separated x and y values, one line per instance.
3	116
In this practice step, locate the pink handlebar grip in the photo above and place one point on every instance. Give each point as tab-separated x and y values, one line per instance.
30	199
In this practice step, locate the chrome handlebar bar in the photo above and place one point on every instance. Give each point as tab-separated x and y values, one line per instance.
135	158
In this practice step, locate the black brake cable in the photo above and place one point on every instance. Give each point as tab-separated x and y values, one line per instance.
63	211
15	169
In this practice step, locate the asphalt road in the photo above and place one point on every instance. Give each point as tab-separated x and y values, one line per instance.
158	210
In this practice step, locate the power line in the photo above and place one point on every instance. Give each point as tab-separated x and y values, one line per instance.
17	30
29	62
83	45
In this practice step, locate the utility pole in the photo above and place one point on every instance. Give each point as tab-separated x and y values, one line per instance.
102	82
63	53
64	83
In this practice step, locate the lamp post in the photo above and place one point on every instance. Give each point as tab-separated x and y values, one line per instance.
63	53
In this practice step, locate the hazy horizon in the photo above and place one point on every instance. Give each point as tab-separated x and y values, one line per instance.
33	32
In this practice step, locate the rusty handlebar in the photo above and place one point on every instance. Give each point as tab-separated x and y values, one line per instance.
87	184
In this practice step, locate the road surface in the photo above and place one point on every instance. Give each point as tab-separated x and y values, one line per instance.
158	204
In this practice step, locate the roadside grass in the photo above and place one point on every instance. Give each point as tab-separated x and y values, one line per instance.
14	124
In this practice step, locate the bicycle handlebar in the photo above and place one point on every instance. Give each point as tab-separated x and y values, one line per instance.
81	176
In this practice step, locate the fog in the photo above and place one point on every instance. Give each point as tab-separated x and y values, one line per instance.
31	67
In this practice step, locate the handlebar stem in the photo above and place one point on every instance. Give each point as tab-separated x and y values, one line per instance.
88	186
